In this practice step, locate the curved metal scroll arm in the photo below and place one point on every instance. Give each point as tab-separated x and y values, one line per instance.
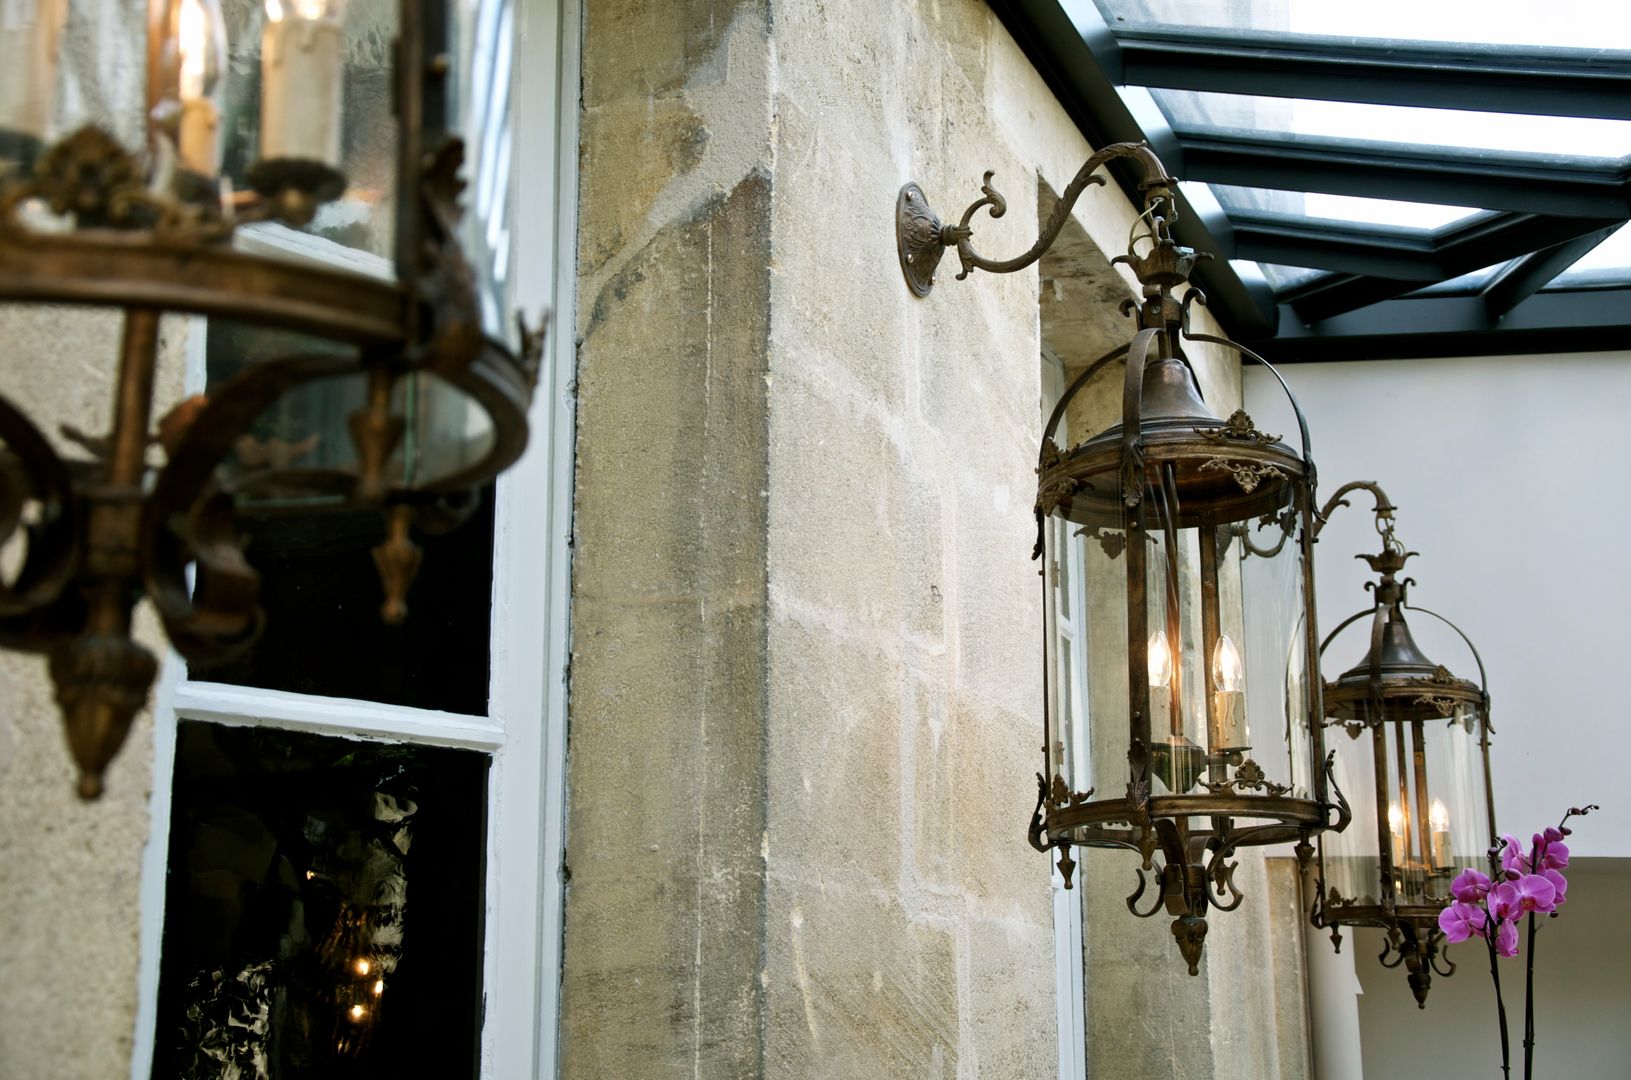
1384	509
1483	680
1157	186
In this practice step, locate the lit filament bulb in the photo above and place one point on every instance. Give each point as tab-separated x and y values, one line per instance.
1228	673
1438	817
1395	826
362	967
379	987
1229	730
192	39
1160	660
358	1012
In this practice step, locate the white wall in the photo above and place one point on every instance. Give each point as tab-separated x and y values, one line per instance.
1510	478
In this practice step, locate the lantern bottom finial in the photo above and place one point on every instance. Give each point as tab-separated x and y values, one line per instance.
1190	930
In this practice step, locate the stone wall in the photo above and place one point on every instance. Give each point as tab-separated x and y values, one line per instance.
70	871
806	683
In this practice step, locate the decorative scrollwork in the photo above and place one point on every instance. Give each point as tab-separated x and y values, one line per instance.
1247	474
1446	706
1249	776
1053	495
1112	542
1238	428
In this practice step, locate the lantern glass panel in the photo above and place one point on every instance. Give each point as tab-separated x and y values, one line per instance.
1459	826
1174	653
1351	867
1262	584
1101	741
302	87
307	428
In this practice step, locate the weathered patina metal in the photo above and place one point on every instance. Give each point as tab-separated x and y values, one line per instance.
1391	696
106	531
1171	464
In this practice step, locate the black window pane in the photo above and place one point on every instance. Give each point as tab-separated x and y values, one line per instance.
323	913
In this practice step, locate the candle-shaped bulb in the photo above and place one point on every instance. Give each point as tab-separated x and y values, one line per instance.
192	58
1395	818
1438	816
30	31
1160	660
1228	673
302	79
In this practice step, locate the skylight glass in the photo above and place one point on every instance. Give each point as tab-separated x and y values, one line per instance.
1608	262
1285	277
1580	24
1505	133
1343	208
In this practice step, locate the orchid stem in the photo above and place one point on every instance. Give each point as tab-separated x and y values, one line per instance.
1529	1003
1500	1008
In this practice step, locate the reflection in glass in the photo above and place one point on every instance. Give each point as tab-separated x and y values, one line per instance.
323	908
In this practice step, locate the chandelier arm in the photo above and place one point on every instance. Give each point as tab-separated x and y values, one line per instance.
31	469
1156	185
188	516
1384	509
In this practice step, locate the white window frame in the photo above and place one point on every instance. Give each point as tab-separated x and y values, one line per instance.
1070	992
525	724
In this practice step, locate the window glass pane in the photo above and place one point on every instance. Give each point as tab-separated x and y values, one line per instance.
1510	134
1288	277
1587	24
319	585
1340	208
323	915
1607	263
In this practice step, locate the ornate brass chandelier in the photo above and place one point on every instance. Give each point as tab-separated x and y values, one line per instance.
437	387
1417	761
1204	528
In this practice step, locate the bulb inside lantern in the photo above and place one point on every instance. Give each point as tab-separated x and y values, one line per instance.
1438	816
1395	818
1228	673
196	34
1160	660
308	10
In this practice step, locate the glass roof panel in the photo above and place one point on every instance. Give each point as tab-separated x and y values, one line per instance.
1344	208
1580	24
1608	262
1285	277
1506	133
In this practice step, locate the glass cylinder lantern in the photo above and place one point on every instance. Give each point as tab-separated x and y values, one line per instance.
1415	759
1199	735
299	190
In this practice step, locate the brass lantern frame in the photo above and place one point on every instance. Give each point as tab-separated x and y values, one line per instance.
108	529
1217	473
1392	694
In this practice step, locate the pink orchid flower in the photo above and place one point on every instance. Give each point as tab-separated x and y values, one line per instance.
1506	939
1461	921
1470	886
1536	894
1560	884
1503	901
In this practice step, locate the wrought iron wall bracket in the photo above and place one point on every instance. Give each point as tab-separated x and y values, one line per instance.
922	237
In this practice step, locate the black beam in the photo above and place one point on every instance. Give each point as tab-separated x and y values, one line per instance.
1073	52
1408	255
1431	326
1530	183
1528	275
1333	294
1550	82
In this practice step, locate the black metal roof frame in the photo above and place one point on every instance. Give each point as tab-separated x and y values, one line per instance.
1545	211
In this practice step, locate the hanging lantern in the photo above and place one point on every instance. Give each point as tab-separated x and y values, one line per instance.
1416	758
389	381
1198	735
